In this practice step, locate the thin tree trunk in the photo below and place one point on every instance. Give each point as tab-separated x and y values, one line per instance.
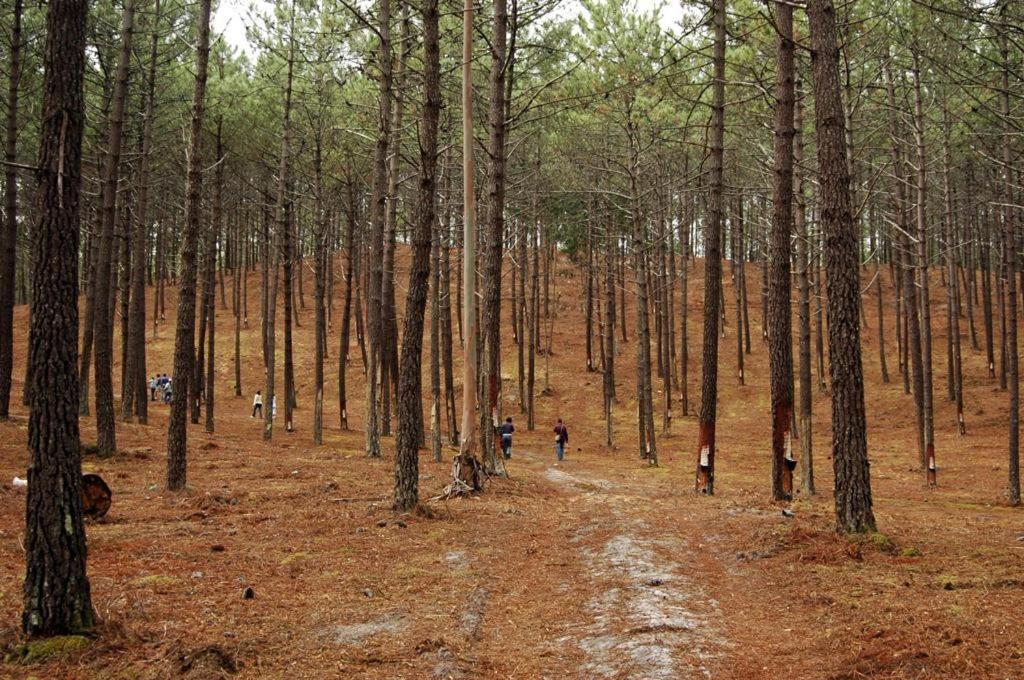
804	304
106	442
705	481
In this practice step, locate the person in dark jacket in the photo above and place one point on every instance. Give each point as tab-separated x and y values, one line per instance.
506	430
561	439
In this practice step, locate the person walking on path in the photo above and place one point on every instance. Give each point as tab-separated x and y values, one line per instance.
561	439
506	430
257	405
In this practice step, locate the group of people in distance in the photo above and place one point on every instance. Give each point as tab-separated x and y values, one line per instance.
160	388
505	430
561	438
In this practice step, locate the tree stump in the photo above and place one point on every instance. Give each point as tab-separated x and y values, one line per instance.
96	496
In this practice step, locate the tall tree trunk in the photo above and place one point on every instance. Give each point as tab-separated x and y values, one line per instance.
106	442
135	366
211	311
495	232
407	441
849	429
609	331
804	304
910	305
320	256
1010	248
712	265
9	231
184	337
953	301
469	386
446	328
738	282
684	340
435	330
350	281
57	597
926	315
389	314
780	333
378	207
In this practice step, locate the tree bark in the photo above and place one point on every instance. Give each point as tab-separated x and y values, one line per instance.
705	481
135	366
804	303
408	438
9	231
780	333
57	596
849	429
184	337
106	441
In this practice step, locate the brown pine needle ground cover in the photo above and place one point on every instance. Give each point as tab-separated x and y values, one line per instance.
599	567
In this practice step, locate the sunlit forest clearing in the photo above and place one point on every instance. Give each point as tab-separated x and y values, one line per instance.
518	340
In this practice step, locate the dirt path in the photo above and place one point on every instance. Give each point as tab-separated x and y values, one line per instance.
646	612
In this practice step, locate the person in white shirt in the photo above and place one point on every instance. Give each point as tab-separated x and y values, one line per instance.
257	404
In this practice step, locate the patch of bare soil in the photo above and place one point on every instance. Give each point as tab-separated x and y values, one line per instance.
647	617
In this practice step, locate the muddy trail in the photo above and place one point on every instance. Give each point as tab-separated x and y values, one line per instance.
647	612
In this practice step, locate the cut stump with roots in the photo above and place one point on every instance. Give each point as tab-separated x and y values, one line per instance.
468	477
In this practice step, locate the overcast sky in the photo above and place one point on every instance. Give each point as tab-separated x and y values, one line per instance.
232	15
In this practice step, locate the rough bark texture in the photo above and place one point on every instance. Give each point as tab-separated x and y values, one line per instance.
184	337
1009	240
9	230
849	429
804	307
712	266
135	366
495	233
105	428
57	597
410	370
378	204
780	334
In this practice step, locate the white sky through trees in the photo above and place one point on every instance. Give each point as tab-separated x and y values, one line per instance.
233	16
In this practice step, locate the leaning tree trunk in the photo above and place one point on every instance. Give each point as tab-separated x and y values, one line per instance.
57	597
849	428
712	265
184	337
106	442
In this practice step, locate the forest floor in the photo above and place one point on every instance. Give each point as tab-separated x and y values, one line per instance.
601	566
